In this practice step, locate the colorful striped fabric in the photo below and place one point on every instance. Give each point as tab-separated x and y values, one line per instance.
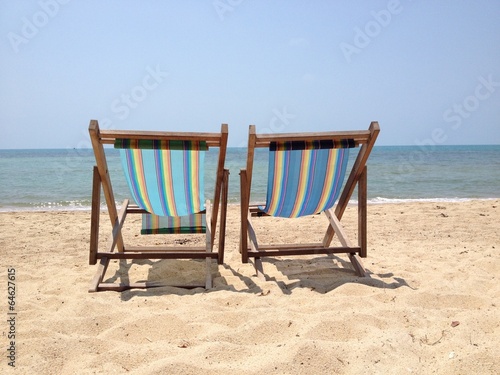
303	180
165	182
153	224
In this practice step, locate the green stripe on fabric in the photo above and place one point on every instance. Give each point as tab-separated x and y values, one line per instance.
151	144
179	230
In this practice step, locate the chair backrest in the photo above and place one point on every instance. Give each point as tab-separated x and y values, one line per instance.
165	178
310	190
305	177
100	138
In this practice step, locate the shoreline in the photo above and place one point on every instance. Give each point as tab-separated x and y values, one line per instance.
371	202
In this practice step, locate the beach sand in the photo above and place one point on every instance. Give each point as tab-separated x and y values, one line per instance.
429	306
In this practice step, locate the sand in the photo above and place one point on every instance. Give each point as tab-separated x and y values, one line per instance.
428	307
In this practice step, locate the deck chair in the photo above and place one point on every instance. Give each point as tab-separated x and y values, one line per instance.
164	171
305	176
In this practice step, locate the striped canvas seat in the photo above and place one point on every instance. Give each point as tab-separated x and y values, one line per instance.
305	178
166	179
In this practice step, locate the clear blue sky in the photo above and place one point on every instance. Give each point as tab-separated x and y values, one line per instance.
428	71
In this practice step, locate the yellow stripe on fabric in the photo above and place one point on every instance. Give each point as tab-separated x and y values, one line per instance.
155	221
198	220
176	222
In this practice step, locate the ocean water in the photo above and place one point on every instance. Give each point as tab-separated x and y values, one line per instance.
62	179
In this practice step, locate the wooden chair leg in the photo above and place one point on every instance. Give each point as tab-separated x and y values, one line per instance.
208	245
95	216
99	275
223	216
339	230
362	213
244	216
358	265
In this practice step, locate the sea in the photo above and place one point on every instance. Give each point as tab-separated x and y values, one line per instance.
61	179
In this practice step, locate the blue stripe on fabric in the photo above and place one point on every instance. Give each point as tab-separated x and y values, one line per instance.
127	166
292	184
317	174
149	165
177	160
340	169
291	168
160	168
270	179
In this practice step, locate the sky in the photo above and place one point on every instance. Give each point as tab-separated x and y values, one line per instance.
428	71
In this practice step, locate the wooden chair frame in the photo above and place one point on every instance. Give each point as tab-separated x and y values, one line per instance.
249	245
101	179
